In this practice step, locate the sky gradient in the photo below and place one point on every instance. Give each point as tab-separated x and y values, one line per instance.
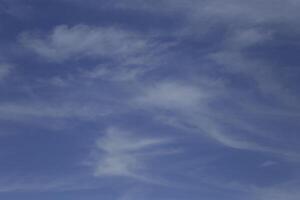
149	100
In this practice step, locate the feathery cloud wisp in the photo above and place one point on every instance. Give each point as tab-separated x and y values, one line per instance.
126	154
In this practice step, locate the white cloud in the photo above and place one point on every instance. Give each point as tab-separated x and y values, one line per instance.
79	41
172	95
193	109
191	106
126	154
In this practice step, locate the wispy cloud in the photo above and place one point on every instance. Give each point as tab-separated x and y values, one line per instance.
125	154
173	95
80	41
193	109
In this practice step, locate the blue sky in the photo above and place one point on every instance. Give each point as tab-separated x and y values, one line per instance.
149	100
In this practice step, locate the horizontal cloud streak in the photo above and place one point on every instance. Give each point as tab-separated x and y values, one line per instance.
84	41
